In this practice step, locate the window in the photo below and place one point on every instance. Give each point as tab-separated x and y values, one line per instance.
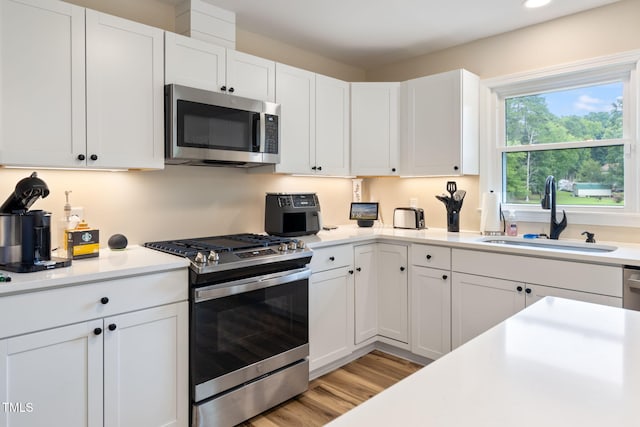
577	123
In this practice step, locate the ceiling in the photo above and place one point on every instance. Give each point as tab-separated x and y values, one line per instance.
371	33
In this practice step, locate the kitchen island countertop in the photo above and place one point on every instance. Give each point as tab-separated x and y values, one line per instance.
556	363
132	261
625	254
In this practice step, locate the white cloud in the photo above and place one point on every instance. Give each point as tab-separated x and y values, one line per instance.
591	105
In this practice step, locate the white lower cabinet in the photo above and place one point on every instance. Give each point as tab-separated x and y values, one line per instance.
393	290
331	305
366	292
501	285
119	368
430	311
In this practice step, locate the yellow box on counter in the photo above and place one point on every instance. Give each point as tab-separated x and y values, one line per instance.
82	243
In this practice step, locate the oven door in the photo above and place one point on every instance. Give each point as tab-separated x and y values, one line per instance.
243	330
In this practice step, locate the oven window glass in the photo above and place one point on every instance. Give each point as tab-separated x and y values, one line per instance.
232	332
215	127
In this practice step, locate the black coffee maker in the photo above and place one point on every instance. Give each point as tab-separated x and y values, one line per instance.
34	234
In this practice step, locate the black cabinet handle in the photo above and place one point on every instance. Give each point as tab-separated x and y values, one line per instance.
528	290
350	271
231	89
319	168
445	277
332	258
358	269
223	88
313	168
401	268
393	169
519	288
94	157
428	256
81	157
104	300
455	168
97	331
112	327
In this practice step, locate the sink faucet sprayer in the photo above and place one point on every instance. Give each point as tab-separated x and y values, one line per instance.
549	202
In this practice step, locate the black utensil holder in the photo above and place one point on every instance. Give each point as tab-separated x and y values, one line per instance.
453	221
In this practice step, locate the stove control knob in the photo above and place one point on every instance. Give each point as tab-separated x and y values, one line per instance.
301	244
292	246
282	247
213	256
200	258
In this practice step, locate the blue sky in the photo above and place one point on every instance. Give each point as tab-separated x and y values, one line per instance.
584	100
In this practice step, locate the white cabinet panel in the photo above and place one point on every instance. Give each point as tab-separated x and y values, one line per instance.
332	127
58	372
366	292
430	311
194	63
375	129
42	83
393	316
125	95
251	76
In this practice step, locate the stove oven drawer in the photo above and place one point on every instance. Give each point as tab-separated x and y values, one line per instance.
331	257
33	311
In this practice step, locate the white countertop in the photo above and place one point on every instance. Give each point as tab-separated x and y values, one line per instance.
626	254
131	261
556	363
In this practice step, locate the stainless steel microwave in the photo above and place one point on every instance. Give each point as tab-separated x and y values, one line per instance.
210	128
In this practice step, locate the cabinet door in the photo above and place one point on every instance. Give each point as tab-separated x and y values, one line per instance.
296	94
366	292
430	312
442	124
537	292
374	128
393	321
479	303
125	95
54	376
42	92
330	316
251	76
332	127
146	367
195	63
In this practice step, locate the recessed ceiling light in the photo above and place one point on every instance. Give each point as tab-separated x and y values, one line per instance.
536	3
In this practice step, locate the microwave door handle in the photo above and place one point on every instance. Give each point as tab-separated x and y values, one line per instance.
255	128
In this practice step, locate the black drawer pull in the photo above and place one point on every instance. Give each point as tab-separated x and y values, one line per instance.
112	327
97	331
104	300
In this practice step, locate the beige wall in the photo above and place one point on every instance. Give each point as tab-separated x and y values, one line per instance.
602	31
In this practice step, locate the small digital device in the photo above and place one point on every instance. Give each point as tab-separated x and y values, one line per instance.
364	213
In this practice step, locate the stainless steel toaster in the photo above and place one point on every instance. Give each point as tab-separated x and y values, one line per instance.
408	218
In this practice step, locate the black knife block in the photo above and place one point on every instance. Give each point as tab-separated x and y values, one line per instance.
453	221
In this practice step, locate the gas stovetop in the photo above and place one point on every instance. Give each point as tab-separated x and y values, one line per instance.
220	253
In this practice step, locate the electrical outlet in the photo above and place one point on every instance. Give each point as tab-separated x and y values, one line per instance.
78	211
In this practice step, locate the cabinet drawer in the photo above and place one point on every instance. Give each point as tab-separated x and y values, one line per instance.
331	257
431	256
46	309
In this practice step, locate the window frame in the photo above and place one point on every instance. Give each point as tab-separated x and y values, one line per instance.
625	67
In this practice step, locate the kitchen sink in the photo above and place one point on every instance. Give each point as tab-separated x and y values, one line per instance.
549	244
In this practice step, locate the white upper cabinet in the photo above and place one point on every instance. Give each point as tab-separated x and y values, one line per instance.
375	129
332	127
314	124
442	115
125	93
53	113
42	92
296	94
195	63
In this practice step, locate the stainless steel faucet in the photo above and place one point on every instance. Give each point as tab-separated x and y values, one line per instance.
549	202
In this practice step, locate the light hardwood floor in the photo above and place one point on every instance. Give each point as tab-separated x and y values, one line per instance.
336	392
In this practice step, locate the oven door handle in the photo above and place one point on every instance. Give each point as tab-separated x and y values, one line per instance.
250	284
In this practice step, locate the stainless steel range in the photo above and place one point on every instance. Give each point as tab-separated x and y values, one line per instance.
249	322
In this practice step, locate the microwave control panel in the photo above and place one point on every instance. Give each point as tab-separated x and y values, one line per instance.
271	133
